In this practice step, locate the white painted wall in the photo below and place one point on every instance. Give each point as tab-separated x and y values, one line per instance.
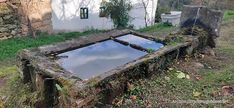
66	15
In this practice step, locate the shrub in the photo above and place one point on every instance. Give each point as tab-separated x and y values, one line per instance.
118	11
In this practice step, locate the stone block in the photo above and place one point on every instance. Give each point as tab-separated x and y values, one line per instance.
1	20
200	15
9	16
13	32
11	27
208	19
3	35
3	29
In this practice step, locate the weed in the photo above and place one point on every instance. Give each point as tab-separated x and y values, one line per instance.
228	14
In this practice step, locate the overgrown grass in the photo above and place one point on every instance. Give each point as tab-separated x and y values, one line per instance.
9	47
162	90
17	93
7	70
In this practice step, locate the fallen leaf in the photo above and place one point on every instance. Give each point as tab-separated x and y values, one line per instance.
198	77
196	94
59	88
167	78
118	102
202	56
181	75
170	69
187	76
228	91
149	105
133	97
179	71
214	93
130	86
209	67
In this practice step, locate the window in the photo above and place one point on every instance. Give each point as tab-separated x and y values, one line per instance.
102	12
84	13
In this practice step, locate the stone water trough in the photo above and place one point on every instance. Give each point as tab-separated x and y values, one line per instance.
94	69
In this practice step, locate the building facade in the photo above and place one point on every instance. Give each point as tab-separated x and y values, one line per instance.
81	15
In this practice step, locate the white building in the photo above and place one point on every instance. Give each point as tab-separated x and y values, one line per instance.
81	15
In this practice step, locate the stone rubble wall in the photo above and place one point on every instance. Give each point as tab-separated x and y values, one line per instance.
24	17
9	23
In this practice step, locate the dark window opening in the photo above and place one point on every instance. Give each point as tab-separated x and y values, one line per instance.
84	13
102	12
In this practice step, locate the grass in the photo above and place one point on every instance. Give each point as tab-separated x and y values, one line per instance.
17	93
228	14
163	89
9	48
7	70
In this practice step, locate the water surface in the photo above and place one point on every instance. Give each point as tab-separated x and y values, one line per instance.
93	60
145	43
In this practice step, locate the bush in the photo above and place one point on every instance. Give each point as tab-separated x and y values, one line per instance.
118	11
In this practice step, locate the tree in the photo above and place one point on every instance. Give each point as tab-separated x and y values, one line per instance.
118	10
145	4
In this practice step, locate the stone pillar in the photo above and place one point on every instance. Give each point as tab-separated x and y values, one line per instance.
204	17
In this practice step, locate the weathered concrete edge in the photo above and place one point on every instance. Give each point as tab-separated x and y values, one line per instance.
40	61
81	41
156	54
